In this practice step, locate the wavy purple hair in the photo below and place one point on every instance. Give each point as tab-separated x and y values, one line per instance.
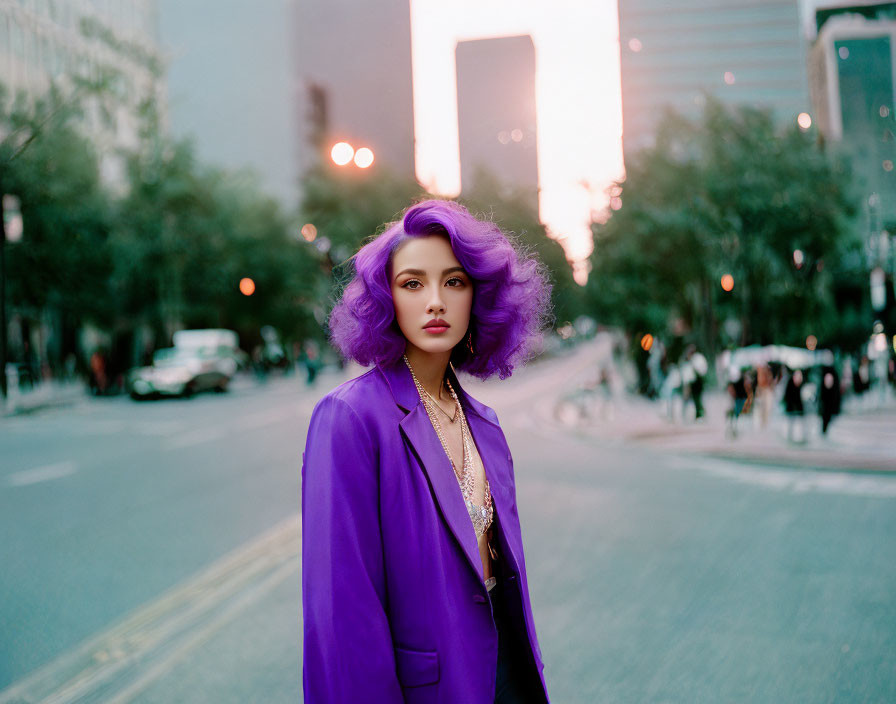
511	293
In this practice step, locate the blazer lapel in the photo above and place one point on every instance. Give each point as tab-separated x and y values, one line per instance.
421	436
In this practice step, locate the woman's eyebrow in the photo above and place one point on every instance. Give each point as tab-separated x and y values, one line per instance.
420	272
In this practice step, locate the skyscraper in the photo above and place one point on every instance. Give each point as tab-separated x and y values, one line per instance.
853	91
496	111
674	52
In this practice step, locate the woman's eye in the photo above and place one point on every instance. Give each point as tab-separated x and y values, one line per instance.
455	282
412	284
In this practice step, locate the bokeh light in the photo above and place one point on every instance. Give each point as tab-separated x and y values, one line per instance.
888	165
804	120
798	258
811	343
342	153
517	135
309	232
247	286
363	157
729	78
635	44
647	342
727	282
884	111
843	52
504	137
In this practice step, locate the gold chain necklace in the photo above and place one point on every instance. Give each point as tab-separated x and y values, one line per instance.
481	516
437	405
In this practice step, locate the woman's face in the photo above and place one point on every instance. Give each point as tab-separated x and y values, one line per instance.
432	294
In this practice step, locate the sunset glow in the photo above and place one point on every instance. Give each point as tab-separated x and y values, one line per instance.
577	95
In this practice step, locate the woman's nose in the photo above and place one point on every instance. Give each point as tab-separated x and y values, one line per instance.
436	305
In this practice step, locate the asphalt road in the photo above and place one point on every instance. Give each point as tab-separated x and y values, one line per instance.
150	554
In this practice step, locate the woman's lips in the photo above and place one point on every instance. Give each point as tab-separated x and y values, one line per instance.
436	329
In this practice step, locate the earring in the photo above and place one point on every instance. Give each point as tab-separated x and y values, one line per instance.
470	342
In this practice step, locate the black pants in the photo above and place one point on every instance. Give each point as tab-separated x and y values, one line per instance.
517	681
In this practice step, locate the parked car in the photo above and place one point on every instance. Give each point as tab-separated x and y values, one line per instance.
183	371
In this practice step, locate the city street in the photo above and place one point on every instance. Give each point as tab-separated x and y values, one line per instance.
150	553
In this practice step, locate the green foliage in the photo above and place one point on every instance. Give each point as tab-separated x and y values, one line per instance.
730	194
169	253
188	234
63	261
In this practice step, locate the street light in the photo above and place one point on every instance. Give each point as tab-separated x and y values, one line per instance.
363	157
342	153
727	283
309	232
247	286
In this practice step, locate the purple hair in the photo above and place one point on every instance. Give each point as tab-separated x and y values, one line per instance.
511	294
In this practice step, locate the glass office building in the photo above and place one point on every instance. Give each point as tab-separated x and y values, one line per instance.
675	52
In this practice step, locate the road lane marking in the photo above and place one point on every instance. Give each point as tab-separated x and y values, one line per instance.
119	663
45	473
202	635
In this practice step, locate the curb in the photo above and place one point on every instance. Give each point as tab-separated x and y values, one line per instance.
703	439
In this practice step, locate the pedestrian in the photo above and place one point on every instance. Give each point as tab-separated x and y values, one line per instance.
828	398
861	379
793	405
413	574
699	366
312	361
741	393
98	379
765	393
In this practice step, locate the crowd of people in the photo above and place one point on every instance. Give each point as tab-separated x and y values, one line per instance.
756	390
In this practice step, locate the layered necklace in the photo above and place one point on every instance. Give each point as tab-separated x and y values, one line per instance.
466	478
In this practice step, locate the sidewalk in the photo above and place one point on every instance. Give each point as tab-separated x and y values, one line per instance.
857	440
55	394
47	394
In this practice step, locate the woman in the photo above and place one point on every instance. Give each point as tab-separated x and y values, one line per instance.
414	582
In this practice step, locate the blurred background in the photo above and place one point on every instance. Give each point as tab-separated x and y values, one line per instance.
706	460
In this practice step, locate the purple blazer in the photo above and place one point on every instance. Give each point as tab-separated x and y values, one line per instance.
395	609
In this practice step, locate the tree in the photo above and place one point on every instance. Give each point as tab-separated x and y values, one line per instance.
188	234
60	269
731	193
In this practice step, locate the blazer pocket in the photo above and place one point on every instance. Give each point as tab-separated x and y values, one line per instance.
416	667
